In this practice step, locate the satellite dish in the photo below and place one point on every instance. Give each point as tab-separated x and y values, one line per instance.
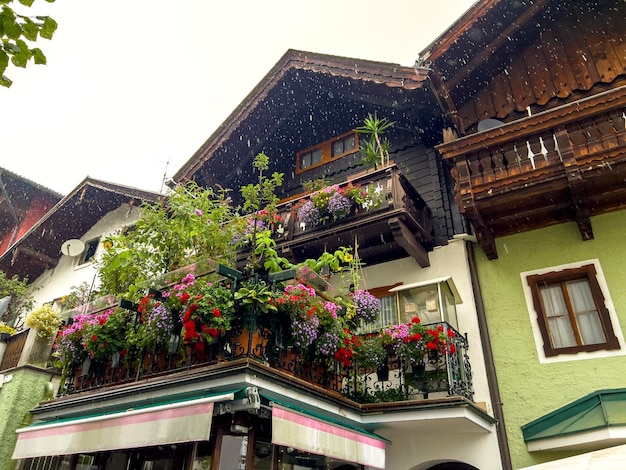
487	124
73	247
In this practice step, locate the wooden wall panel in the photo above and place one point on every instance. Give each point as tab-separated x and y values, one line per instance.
573	54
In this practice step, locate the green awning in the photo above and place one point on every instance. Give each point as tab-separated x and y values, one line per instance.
602	410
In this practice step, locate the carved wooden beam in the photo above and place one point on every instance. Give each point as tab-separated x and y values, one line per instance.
29	252
405	238
575	182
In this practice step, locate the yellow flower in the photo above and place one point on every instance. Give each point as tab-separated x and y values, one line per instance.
347	258
107	244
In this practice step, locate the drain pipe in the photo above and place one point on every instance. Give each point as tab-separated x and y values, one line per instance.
492	380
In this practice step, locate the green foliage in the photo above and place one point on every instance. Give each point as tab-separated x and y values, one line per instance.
79	295
265	249
260	206
20	302
15	30
4	328
255	295
46	320
192	223
375	149
370	352
107	336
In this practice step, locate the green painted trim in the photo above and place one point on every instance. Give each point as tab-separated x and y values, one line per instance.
570	419
314	414
238	393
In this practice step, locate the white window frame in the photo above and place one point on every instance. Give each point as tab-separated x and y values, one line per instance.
532	314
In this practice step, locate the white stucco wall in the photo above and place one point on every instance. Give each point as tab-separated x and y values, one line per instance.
449	260
58	281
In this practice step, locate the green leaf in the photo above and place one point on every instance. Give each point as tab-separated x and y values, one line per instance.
48	28
11	47
4	61
4	81
39	56
30	30
12	29
20	59
26	2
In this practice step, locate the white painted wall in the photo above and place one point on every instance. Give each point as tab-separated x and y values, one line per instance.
417	451
411	452
449	260
58	281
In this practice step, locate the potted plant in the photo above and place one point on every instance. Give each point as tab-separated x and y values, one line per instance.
375	149
424	343
156	323
46	320
207	310
104	335
333	202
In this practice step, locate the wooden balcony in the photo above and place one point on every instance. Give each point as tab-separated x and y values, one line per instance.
447	375
400	225
564	164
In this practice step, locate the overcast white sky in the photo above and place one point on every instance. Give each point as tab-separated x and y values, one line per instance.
131	85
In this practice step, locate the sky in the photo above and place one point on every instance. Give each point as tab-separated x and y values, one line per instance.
133	88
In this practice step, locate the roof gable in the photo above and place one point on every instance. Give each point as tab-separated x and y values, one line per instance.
40	247
304	99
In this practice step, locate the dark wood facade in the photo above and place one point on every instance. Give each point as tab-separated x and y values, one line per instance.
536	94
307	99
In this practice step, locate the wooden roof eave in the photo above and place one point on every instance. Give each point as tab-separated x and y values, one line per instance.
535	124
391	75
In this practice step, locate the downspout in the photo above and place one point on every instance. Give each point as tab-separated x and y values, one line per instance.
13	213
492	380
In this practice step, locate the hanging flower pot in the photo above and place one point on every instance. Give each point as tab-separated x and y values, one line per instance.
419	370
86	366
383	373
115	360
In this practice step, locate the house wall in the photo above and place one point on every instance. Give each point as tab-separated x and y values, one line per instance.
25	389
532	387
477	449
57	282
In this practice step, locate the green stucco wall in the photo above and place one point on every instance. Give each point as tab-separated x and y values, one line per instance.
17	397
529	389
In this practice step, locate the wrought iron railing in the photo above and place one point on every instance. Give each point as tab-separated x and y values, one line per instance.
442	374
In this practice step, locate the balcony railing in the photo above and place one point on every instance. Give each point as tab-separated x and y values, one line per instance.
562	164
400	220
441	374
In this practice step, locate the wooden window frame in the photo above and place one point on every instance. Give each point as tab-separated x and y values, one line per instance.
86	256
327	149
589	273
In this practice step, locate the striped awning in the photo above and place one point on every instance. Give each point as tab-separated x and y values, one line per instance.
317	436
172	423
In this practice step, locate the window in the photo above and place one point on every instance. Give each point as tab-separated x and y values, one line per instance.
388	309
328	151
571	312
91	247
433	301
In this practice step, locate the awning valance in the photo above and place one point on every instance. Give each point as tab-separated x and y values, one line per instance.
307	433
172	423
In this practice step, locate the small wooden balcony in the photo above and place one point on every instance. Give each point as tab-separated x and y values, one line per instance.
398	226
564	164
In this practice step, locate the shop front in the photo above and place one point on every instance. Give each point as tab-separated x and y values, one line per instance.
240	429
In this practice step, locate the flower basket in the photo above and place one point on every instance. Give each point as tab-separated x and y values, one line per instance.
382	373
